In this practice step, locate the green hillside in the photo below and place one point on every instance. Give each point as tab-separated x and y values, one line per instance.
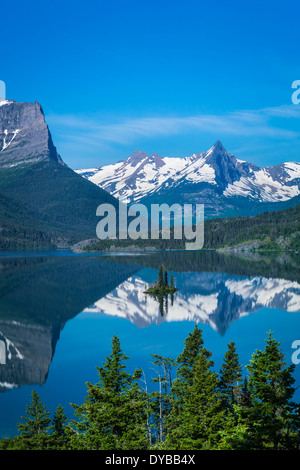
19	228
276	230
45	204
270	230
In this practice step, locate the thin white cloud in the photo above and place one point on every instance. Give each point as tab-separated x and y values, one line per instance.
94	132
285	111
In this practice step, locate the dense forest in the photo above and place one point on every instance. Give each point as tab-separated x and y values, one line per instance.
274	231
24	225
198	409
45	205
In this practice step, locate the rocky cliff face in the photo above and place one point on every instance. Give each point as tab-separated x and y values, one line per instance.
27	352
24	135
41	198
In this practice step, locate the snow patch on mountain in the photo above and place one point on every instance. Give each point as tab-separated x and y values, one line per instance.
260	185
142	175
9	137
5	102
11	349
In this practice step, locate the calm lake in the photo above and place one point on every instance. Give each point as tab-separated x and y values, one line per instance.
59	311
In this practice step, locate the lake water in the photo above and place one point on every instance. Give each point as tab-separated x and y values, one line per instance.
59	311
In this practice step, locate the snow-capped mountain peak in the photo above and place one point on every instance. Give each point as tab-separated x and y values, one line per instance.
214	177
136	176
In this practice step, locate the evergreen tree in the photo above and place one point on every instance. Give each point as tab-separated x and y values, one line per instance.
113	416
186	360
272	415
230	377
201	417
267	416
59	438
237	436
161	302
166	281
166	304
7	443
33	431
189	413
245	398
184	375
161	276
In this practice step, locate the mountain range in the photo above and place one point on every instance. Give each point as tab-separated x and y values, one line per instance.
226	185
44	203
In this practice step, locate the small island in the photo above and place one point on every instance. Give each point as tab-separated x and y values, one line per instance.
162	286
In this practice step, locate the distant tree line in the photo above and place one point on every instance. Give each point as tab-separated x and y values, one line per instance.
274	264
275	230
199	409
269	228
24	226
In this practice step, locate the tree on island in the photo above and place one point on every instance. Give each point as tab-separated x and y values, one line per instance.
162	286
160	281
166	281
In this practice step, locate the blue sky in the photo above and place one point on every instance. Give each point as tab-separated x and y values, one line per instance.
170	77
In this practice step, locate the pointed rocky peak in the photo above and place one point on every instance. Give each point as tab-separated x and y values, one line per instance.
140	159
284	172
217	149
224	164
136	157
157	160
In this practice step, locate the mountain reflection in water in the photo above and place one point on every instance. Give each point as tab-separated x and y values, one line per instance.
208	298
39	295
